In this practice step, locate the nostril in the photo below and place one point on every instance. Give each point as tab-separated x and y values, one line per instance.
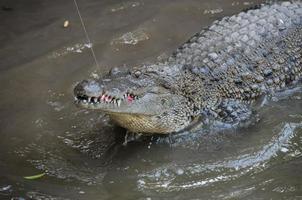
88	87
114	71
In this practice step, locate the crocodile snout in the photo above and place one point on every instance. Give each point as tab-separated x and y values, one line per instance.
87	88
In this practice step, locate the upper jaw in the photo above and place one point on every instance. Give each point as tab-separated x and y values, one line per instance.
93	94
105	99
127	97
144	101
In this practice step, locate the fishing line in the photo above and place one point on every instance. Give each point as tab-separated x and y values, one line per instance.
86	34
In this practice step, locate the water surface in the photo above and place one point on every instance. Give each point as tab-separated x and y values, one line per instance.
82	152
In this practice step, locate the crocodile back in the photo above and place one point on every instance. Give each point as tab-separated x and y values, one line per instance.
249	53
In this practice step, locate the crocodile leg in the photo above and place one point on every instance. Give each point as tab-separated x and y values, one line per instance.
235	113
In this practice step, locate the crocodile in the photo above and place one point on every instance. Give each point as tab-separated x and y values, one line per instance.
217	74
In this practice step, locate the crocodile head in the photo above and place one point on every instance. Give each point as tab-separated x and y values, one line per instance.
138	103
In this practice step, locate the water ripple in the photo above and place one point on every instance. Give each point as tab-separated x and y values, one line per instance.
167	178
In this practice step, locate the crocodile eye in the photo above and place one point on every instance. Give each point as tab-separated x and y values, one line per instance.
137	74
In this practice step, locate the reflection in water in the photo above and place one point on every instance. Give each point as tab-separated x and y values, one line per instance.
83	154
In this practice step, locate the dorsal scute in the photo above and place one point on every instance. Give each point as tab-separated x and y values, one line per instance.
242	32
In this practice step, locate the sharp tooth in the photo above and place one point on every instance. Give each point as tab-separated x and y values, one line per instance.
89	99
118	102
108	99
95	99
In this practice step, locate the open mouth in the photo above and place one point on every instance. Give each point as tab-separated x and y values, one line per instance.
106	98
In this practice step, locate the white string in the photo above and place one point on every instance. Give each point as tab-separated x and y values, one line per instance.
86	34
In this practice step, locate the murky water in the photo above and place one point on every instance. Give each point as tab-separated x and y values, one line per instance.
82	152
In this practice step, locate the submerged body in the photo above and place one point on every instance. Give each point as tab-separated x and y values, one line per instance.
216	74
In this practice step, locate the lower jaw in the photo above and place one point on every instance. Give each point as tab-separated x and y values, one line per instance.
133	122
138	124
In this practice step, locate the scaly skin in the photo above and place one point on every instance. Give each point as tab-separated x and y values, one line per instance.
217	73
